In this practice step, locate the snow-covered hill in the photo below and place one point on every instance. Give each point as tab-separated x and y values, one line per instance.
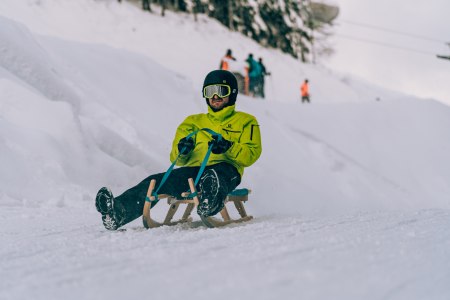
348	189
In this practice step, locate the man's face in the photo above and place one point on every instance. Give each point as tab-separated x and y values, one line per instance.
218	103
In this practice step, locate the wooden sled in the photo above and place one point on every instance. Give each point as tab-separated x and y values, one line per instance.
238	197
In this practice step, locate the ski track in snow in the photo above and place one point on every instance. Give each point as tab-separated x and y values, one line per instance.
326	147
394	255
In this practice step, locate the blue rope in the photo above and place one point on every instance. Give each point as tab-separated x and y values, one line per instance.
208	153
200	172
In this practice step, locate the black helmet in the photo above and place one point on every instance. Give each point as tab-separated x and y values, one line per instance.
222	77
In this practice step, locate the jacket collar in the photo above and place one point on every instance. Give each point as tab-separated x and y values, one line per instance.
222	114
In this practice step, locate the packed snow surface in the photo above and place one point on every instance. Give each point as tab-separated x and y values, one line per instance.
350	196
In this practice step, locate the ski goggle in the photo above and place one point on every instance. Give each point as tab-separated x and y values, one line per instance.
221	90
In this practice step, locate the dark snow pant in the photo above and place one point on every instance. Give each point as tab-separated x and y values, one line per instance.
261	92
215	184
254	85
145	5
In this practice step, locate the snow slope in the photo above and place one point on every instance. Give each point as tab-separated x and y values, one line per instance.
350	194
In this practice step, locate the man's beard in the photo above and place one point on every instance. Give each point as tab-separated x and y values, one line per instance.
217	109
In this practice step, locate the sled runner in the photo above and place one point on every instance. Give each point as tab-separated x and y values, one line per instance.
238	197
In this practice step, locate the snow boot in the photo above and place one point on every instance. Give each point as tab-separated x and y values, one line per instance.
105	204
211	197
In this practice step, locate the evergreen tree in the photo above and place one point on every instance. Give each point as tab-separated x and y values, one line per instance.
297	27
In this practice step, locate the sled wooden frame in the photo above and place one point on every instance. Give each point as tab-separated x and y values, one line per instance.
237	198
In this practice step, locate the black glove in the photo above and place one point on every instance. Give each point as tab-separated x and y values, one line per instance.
186	145
221	146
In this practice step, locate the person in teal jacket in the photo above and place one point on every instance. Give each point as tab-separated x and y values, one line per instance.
254	75
239	147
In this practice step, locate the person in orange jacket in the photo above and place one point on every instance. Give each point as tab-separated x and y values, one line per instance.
304	90
226	60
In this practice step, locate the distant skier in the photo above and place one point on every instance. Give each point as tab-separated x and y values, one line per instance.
264	73
304	90
239	147
227	61
146	5
254	74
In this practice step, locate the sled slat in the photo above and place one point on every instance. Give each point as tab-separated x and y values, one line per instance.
224	213
240	208
238	197
146	219
193	190
172	210
188	211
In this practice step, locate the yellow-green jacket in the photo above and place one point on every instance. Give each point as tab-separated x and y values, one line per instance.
240	128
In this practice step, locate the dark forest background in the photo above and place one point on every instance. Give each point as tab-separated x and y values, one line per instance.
297	27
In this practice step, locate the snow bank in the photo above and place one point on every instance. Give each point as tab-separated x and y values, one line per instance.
64	149
318	158
22	55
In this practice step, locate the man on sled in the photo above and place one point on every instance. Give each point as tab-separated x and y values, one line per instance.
215	147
